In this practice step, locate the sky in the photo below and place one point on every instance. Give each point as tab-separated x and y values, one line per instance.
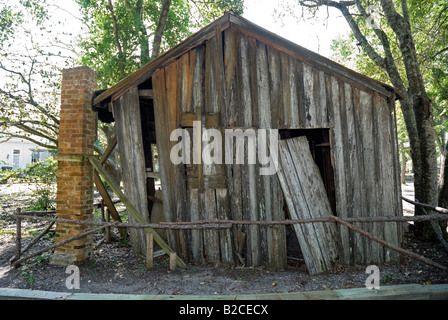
313	34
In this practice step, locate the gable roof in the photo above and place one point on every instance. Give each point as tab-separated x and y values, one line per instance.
233	20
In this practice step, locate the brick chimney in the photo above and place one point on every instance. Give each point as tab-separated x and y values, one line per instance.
77	134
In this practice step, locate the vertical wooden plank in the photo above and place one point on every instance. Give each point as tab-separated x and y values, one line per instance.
210	96
329	115
177	182
211	237
369	194
162	122
265	181
244	85
219	74
359	171
250	212
323	120
225	237
172	72
196	235
237	105
130	145
198	81
253	255
230	114
185	86
275	89
252	49
276	237
387	185
264	106
309	101
297	110
286	93
340	163
352	172
195	170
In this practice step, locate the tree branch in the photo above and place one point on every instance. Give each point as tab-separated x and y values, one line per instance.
389	61
39	143
116	36
160	27
404	34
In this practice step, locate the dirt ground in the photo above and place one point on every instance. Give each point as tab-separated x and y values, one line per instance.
114	268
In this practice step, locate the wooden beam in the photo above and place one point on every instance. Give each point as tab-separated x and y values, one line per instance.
109	203
131	208
145	94
211	119
152	175
108	150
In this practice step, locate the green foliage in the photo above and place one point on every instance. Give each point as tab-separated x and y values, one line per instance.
429	24
34	47
42	178
119	37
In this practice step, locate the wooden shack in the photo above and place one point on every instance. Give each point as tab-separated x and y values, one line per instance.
234	74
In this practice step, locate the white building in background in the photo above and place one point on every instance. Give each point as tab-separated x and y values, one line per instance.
18	153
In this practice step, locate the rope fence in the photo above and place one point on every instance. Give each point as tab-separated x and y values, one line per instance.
223	224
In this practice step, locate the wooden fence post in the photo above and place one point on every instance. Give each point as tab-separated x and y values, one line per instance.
149	251
173	259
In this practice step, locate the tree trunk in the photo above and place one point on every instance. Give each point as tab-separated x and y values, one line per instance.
443	189
403	166
418	115
443	185
160	28
424	159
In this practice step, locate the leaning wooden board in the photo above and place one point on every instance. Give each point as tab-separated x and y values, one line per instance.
306	198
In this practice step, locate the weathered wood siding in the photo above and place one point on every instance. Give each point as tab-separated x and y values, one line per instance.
251	83
130	144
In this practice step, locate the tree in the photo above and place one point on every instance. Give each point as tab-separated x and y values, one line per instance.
33	50
126	34
417	109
